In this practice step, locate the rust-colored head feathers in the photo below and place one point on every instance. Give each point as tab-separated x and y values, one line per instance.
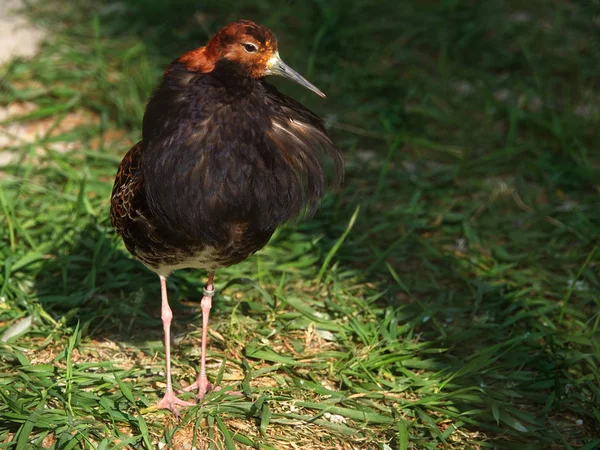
250	46
244	42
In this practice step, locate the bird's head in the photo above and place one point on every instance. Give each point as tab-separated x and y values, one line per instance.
251	47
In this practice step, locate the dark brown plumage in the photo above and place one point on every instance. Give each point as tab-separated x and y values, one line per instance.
224	159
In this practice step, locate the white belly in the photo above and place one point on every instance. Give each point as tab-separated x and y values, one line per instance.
205	259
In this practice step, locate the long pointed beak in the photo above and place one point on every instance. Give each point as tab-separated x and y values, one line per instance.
275	66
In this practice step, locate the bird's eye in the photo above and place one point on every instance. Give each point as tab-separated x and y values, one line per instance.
250	47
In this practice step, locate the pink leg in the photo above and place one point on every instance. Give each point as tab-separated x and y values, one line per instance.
169	401
202	383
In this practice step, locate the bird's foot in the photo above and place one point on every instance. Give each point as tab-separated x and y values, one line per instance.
203	386
171	402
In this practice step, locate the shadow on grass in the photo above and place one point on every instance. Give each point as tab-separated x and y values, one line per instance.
100	286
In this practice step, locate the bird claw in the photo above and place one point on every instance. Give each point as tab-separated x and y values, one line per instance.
203	386
170	402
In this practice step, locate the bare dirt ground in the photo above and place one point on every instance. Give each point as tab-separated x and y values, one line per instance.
17	36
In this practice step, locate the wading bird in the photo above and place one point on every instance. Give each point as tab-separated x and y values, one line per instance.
224	159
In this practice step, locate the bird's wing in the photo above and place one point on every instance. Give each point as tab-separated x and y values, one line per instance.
292	117
299	135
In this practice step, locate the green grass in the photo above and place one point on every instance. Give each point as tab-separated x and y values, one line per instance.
446	297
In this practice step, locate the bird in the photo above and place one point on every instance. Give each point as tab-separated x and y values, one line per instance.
223	161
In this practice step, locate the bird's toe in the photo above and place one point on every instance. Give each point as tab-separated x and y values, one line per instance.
171	402
202	386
